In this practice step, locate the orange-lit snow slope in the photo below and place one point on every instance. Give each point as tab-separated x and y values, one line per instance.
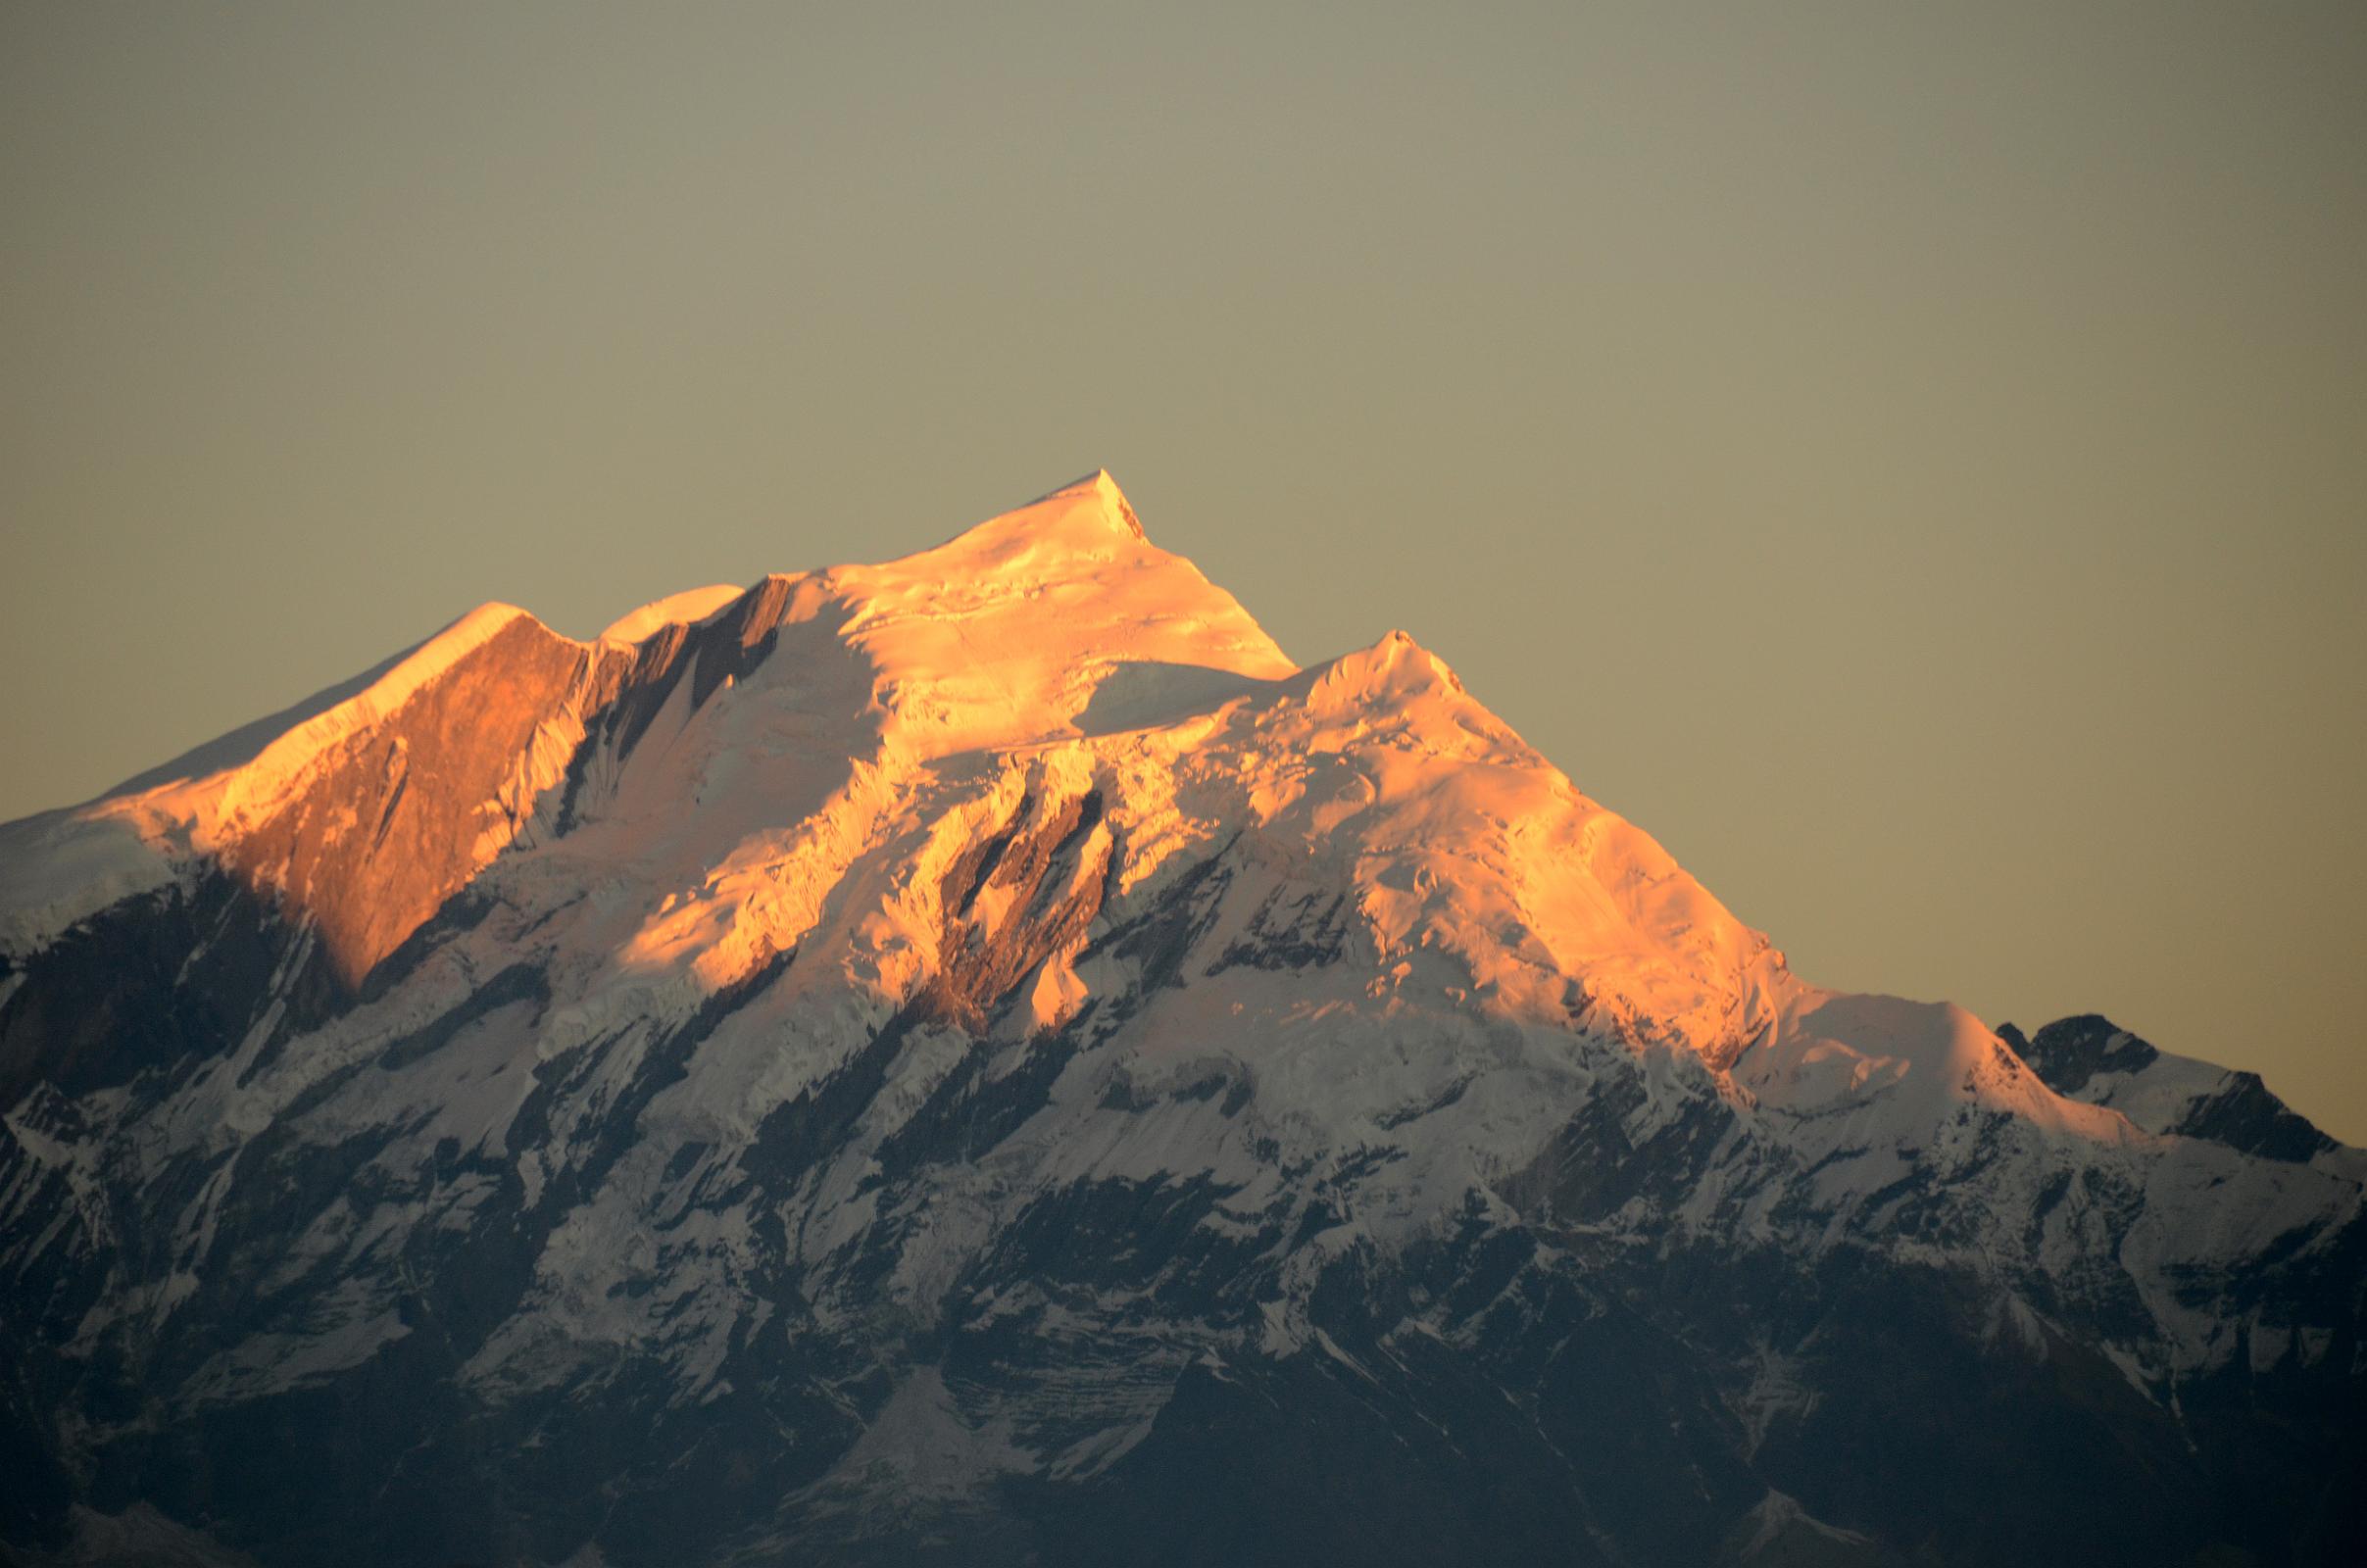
1054	642
811	756
733	775
806	758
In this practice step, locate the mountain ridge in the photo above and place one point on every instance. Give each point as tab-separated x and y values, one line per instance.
967	1049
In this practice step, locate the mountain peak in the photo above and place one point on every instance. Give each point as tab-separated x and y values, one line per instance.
1393	670
1100	488
1079	530
1007	627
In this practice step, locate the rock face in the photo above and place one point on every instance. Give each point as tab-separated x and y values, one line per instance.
982	1060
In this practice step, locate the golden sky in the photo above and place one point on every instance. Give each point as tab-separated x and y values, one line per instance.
1913	460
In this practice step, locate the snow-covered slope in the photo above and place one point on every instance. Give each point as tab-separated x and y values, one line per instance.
983	1049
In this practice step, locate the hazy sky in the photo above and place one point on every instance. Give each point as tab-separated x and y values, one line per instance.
1914	464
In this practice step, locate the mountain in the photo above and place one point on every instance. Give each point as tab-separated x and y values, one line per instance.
982	1060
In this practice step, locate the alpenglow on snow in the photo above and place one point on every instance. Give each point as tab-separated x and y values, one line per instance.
982	1060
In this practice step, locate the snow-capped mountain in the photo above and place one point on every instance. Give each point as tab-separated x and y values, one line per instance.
981	1058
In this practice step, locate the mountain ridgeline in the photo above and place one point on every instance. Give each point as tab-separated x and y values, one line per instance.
982	1060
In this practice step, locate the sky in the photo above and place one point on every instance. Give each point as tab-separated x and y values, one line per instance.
1912	460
